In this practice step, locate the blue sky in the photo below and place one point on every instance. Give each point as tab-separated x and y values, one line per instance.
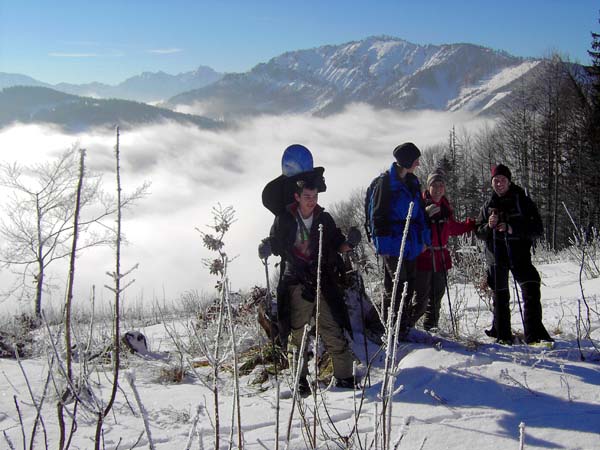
109	41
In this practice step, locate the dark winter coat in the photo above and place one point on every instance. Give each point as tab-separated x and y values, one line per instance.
391	199
516	209
295	270
443	225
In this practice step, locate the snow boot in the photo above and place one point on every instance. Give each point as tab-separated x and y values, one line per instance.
303	387
346	383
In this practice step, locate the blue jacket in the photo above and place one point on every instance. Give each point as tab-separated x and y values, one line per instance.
391	199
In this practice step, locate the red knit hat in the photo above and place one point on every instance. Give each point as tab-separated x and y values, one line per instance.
501	169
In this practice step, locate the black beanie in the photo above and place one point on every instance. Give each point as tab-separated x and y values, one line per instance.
501	169
406	154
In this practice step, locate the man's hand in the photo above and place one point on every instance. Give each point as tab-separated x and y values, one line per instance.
264	249
345	248
354	237
502	227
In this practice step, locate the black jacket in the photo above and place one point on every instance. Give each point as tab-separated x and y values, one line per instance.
294	270
520	212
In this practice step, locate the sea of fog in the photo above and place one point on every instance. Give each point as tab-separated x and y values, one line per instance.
192	170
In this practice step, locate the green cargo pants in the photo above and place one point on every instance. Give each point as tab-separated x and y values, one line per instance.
301	311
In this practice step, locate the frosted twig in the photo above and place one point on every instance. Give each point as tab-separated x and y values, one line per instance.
435	396
317	331
131	380
504	374
9	382
193	428
564	380
8	441
20	419
296	379
521	435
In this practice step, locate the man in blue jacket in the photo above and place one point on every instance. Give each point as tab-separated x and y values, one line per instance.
392	195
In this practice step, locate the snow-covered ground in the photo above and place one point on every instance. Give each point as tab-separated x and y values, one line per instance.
450	395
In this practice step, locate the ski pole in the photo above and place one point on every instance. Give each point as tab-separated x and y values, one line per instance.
360	287
495	279
510	263
269	311
433	286
269	299
446	280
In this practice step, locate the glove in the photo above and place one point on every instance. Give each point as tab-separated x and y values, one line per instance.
264	249
353	237
432	210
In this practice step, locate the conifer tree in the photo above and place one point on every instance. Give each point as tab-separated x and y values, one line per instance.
595	71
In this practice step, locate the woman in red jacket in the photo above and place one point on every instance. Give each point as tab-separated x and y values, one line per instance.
434	263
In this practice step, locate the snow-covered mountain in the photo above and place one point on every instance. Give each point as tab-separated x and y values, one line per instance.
385	72
146	87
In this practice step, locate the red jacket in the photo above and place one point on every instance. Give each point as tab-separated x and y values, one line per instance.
443	225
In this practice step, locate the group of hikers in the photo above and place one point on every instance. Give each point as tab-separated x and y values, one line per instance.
306	238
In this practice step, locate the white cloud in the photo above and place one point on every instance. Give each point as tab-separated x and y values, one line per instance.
191	170
72	55
165	51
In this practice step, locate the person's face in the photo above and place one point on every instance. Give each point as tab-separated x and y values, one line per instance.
414	166
437	189
307	201
500	184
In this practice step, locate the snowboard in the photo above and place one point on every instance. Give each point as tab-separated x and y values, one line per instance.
296	165
296	159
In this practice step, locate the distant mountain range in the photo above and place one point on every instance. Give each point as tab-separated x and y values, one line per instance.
33	104
146	87
384	72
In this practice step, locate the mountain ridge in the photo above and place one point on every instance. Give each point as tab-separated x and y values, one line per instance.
144	87
39	104
383	71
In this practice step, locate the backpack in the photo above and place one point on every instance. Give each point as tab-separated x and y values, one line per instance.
368	205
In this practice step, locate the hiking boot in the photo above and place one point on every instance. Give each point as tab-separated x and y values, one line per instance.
403	334
346	383
538	340
491	332
505	341
303	387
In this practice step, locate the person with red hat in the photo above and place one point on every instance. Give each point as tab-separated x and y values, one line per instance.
509	223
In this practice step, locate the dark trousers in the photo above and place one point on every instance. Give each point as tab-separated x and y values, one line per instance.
529	280
431	287
407	276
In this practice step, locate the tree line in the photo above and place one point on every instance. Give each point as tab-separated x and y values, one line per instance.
549	135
